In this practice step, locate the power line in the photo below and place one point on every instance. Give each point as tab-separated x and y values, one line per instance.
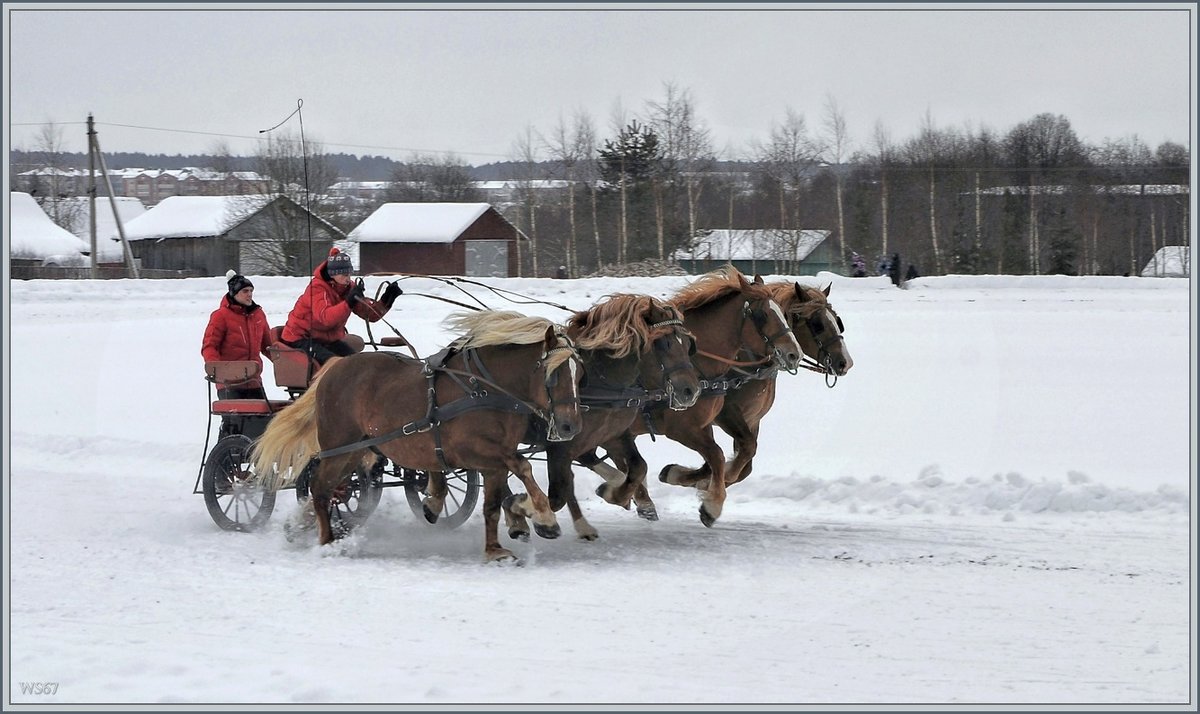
259	138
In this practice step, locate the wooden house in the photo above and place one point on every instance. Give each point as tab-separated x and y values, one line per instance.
207	235
760	251
471	239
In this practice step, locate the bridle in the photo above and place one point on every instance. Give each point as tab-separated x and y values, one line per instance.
759	318
823	364
550	381
678	332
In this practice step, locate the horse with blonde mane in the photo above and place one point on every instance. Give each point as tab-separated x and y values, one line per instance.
737	324
619	339
467	407
819	330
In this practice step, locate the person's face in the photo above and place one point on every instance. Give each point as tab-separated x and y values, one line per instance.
245	296
341	278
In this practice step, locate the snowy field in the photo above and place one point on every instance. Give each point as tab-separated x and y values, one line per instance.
995	506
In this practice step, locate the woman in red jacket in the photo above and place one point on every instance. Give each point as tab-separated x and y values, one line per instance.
237	330
317	323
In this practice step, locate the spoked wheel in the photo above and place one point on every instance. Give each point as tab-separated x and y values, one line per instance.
233	492
356	500
462	493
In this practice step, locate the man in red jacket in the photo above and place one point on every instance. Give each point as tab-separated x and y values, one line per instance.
318	321
237	330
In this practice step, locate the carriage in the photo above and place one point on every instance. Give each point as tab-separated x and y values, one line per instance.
234	494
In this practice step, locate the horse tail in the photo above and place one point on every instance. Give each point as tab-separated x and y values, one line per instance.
290	439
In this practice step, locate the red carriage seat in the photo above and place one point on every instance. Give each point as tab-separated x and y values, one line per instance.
233	373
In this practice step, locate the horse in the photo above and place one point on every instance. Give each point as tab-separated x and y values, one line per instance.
819	330
736	323
618	340
468	407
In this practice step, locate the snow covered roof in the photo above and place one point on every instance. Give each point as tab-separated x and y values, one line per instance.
754	244
1171	261
34	235
193	217
108	243
418	222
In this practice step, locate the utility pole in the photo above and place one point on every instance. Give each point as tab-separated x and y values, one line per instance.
91	191
94	150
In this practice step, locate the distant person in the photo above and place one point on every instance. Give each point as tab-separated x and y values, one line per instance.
317	323
237	331
561	273
894	269
911	273
858	266
884	266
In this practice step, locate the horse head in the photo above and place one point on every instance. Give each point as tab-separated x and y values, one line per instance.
671	350
770	325
561	370
818	327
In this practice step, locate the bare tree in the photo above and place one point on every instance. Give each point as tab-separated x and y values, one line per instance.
573	148
55	182
837	140
525	153
287	241
433	178
789	159
884	151
686	145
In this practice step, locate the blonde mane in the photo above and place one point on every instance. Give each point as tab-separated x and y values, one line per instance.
618	325
488	328
715	285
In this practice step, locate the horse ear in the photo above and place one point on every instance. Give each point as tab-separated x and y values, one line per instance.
828	288
801	296
551	338
758	279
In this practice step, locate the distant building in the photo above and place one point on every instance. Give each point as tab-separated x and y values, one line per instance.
763	250
471	239
208	235
1171	261
37	240
148	185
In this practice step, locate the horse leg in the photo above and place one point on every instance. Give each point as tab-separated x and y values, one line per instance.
630	459
743	460
518	526
495	483
712	499
558	466
532	504
435	496
322	489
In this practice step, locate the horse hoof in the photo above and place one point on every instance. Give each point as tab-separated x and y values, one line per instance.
650	513
707	518
557	502
511	500
603	491
548	532
502	557
430	516
518	534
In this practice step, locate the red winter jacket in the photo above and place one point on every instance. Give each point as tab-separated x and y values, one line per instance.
321	311
236	332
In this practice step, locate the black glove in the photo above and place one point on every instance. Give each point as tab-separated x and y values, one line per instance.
355	293
390	294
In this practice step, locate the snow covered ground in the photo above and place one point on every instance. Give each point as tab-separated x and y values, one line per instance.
995	506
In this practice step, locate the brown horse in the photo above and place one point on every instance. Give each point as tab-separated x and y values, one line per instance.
618	340
468	407
737	324
819	330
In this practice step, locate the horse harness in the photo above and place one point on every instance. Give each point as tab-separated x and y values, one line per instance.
474	381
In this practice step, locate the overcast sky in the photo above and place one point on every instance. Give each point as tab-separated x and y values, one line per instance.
391	80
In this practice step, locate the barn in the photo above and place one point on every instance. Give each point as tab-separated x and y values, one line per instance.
471	239
207	235
760	251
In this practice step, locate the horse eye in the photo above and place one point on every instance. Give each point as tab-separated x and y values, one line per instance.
816	327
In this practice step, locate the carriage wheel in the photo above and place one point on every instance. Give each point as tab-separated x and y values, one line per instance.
360	494
462	493
233	493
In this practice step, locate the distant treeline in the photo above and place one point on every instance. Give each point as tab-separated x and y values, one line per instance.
349	166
